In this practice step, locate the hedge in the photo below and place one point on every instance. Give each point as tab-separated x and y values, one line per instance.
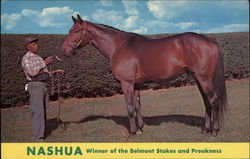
88	73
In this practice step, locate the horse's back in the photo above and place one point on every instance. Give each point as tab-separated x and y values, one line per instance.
165	57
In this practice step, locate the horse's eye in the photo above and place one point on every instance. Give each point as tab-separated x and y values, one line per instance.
77	31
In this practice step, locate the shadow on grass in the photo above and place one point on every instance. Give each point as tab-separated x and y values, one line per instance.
197	121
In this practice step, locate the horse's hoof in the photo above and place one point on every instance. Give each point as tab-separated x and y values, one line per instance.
214	133
205	131
138	132
132	133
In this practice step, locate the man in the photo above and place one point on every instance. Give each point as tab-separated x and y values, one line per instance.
37	74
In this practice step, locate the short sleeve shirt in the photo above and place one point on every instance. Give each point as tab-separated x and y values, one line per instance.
33	64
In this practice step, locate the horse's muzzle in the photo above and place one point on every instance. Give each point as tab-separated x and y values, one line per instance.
67	52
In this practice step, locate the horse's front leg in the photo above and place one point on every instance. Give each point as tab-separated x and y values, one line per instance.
128	90
139	118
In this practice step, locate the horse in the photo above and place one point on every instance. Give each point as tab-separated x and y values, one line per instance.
135	58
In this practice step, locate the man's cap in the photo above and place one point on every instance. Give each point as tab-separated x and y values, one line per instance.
30	39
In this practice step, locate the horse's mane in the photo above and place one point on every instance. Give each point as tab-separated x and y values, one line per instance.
163	36
113	29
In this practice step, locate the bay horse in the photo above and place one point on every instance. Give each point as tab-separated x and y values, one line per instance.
135	58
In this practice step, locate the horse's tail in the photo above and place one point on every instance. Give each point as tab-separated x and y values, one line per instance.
220	86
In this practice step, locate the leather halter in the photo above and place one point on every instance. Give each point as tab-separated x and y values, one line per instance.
84	38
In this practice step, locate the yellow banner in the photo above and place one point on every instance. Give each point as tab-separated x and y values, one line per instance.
124	150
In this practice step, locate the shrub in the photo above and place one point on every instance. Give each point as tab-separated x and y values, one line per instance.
88	73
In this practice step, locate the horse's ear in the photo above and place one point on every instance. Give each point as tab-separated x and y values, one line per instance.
79	18
74	19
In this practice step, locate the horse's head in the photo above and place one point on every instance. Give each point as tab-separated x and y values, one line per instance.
76	38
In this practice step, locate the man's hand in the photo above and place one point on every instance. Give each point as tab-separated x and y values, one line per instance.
58	71
48	60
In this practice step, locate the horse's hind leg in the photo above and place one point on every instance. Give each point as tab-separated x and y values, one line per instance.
139	118
207	123
128	90
214	106
211	103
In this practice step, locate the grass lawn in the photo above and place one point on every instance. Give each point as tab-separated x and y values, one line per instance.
170	115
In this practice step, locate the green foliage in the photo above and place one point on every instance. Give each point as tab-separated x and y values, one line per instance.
88	73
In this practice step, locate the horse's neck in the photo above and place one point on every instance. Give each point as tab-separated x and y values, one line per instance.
105	40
